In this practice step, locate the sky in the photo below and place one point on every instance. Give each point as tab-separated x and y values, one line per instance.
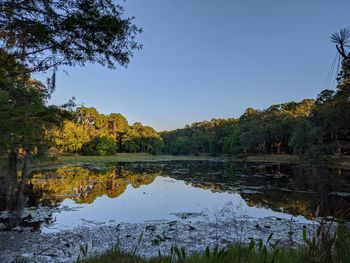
204	59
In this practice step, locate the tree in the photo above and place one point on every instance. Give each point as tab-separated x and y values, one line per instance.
144	139
24	115
45	34
69	138
342	40
103	145
90	120
39	35
117	127
24	118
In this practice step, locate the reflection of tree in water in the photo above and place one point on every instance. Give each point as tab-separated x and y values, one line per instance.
331	188
50	188
282	188
84	185
291	203
306	191
15	195
13	199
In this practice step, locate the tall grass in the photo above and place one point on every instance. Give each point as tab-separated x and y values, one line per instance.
329	244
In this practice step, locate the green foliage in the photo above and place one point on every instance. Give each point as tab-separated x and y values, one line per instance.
213	137
93	133
267	131
329	244
100	146
139	138
24	115
69	138
46	34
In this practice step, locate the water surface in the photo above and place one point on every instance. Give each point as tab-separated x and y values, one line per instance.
67	197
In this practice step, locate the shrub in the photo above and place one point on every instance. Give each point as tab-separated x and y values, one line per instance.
100	146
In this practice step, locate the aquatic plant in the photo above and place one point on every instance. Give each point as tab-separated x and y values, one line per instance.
330	243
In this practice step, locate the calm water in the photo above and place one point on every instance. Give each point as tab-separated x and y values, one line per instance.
67	197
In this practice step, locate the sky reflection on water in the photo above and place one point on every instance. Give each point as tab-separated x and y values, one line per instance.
67	197
156	201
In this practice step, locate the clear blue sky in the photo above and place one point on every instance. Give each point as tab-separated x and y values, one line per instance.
205	59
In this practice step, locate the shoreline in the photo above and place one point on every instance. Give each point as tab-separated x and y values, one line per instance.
61	160
147	239
334	161
120	158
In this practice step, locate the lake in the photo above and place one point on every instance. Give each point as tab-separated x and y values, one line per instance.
72	196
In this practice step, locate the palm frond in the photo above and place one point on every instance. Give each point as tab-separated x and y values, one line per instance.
342	37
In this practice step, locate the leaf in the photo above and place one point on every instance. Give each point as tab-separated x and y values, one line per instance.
269	238
251	245
207	252
178	252
304	235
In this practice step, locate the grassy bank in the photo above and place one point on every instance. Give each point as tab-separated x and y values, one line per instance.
120	157
57	160
333	161
273	158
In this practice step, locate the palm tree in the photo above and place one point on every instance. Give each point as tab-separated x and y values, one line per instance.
342	41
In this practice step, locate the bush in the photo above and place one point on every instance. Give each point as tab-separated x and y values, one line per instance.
100	146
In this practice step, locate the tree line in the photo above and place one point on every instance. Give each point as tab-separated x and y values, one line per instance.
256	131
312	129
92	133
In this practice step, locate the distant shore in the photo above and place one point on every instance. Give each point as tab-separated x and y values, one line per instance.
120	157
334	161
59	160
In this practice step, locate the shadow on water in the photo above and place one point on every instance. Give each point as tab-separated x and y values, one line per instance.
16	194
283	188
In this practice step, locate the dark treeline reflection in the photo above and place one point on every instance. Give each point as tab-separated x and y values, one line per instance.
283	188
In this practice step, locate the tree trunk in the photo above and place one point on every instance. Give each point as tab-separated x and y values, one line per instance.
13	163
279	148
120	142
11	179
20	198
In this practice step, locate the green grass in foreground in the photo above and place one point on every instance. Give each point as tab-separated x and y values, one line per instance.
233	254
325	246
